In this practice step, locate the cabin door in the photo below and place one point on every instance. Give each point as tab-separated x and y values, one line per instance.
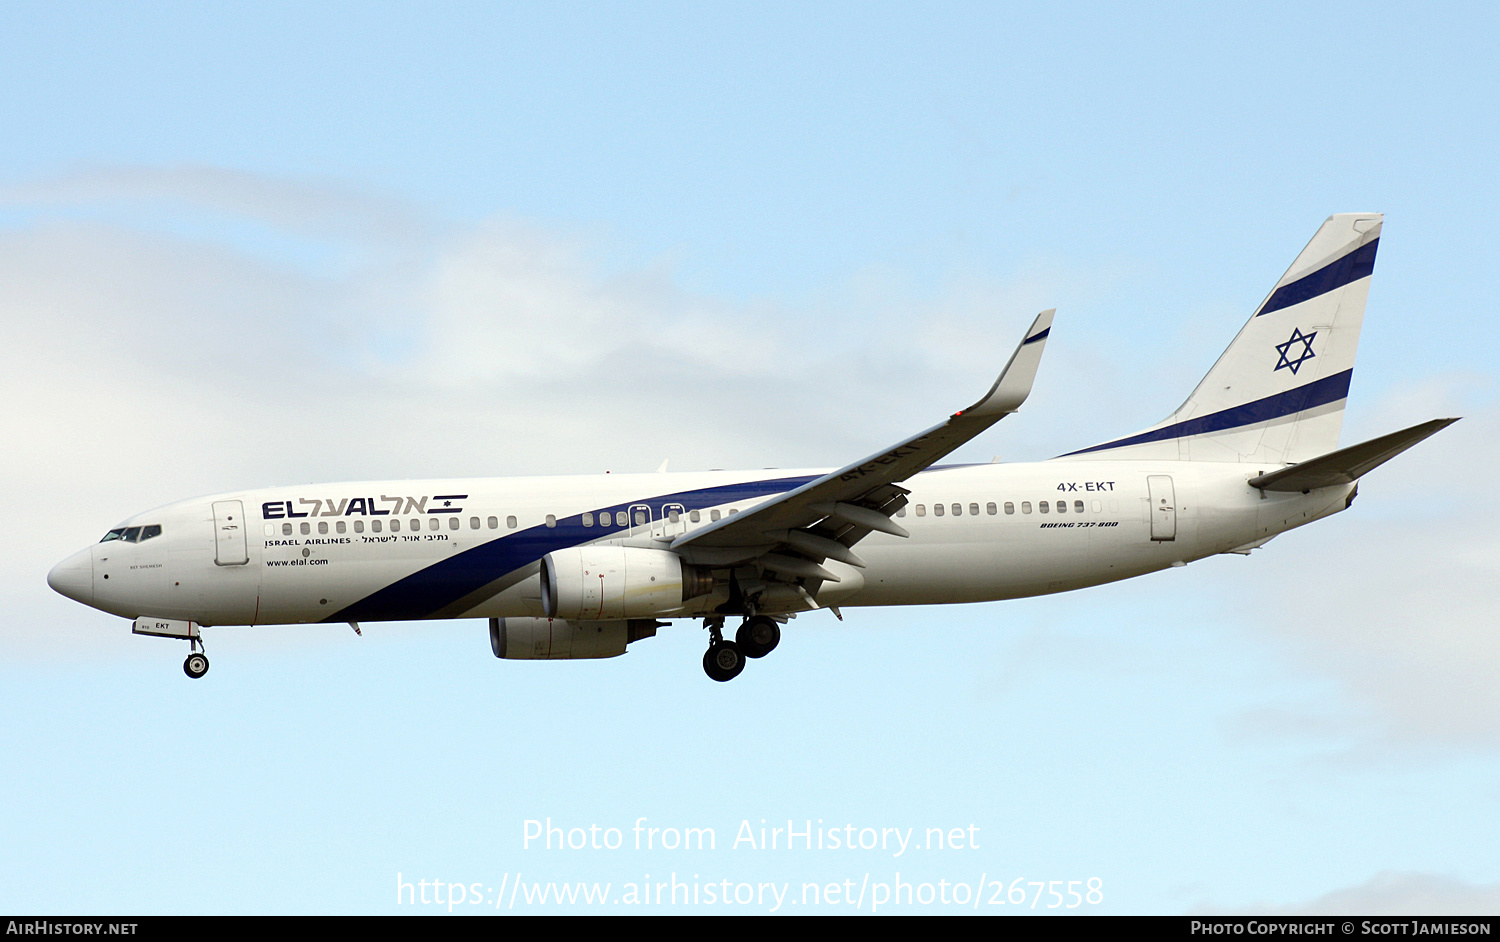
1163	507
229	533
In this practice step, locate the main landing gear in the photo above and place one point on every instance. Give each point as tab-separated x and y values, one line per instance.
723	661
757	637
196	664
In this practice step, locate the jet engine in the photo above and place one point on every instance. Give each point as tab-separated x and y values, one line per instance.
603	583
554	639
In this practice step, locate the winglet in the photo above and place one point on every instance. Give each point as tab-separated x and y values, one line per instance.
862	493
1014	384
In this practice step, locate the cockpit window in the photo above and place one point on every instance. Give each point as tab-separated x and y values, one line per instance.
132	534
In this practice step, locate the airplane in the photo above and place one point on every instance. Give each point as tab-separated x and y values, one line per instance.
584	566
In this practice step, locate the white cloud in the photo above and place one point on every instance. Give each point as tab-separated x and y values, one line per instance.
1388	893
506	305
322	208
1396	599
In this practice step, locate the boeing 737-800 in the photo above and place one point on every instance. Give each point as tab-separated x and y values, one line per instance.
581	567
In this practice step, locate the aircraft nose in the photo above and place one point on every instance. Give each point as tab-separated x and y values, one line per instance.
74	577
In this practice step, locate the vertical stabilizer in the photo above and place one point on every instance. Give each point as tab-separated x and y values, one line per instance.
1277	394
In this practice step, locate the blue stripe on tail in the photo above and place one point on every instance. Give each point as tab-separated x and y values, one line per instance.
1317	393
1356	265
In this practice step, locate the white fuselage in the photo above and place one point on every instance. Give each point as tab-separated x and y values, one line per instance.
387	550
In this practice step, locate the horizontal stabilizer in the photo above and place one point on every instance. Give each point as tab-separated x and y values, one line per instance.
1347	465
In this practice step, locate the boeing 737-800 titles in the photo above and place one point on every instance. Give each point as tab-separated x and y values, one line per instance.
581	567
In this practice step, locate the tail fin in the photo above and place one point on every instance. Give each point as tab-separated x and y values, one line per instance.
1277	394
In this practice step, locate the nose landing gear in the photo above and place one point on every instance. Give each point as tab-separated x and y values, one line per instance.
196	664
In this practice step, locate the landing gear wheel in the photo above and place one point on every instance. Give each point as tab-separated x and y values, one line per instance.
195	666
758	636
723	661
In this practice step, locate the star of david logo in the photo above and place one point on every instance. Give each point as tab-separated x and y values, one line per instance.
1292	361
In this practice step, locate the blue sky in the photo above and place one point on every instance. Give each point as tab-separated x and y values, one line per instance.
262	244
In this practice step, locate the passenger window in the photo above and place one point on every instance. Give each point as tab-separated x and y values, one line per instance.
901	512
673	516
588	519
1078	506
921	510
341	527
305	528
1010	507
551	520
937	510
323	526
473	523
640	518
270	529
453	523
622	518
395	525
432	524
733	511
1062	506
974	509
713	515
510	522
694	516
374	526
493	522
359	526
958	510
1097	506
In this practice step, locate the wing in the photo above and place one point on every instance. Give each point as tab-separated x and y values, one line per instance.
793	533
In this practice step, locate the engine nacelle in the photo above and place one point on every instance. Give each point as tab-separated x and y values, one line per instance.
554	639
603	583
